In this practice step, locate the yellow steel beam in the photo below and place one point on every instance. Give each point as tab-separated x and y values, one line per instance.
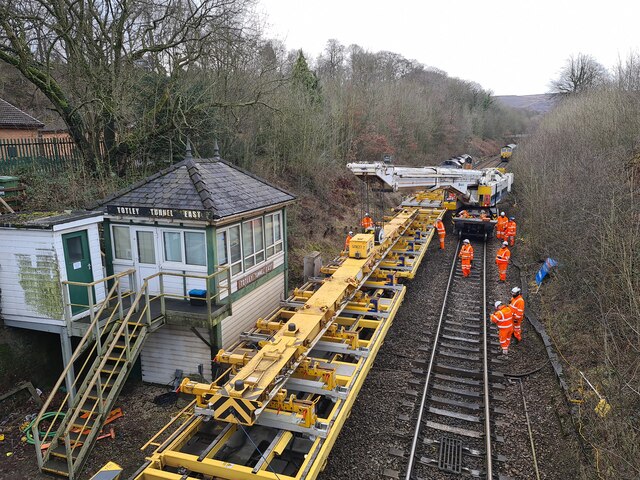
242	398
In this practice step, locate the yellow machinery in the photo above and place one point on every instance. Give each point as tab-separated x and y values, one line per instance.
507	151
289	383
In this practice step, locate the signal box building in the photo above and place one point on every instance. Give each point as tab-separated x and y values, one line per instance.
198	217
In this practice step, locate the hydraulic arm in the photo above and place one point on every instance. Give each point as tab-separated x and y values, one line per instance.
473	187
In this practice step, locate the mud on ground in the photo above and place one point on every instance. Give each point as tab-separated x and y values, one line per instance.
142	418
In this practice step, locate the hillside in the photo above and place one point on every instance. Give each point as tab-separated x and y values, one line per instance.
539	103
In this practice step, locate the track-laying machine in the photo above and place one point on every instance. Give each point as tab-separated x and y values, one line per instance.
477	191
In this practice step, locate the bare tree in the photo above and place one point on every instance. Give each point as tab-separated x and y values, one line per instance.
580	73
90	58
627	75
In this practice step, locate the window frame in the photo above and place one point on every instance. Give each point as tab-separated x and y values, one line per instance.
117	259
181	265
204	246
163	232
266	252
278	244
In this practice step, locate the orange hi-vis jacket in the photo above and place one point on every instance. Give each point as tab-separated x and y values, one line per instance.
503	318
346	242
440	227
466	253
501	224
367	222
503	256
517	307
511	229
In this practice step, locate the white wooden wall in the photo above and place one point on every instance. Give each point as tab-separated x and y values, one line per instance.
44	246
30	244
173	347
252	306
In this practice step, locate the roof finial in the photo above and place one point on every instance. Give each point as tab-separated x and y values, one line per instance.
216	150
188	155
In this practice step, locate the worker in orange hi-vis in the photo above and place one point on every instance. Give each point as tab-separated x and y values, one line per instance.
441	232
503	318
502	260
510	232
347	241
367	222
501	225
466	257
517	307
463	214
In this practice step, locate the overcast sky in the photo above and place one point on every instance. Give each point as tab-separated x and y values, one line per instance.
511	47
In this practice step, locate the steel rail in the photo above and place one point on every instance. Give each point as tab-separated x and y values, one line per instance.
487	413
414	443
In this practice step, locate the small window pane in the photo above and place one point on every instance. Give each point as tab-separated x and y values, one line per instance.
234	244
268	229
260	257
121	243
146	250
247	239
194	247
74	249
221	241
257	235
237	268
249	262
172	247
279	247
276	227
270	251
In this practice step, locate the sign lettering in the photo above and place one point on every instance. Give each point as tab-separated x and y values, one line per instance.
253	276
158	212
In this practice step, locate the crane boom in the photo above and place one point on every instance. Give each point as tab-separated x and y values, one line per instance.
483	187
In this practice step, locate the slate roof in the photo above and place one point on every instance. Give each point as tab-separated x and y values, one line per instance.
13	117
211	185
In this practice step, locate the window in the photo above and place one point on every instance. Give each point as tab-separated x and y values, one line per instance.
247	244
146	249
121	243
253	242
74	249
221	243
194	248
273	233
235	250
172	246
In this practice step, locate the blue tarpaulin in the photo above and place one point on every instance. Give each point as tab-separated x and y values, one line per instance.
548	264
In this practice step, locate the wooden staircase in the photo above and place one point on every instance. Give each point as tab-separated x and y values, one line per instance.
111	345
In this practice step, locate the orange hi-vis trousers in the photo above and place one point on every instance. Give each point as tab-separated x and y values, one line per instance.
466	267
504	333
517	306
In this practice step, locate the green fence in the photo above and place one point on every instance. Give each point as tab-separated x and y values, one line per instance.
41	154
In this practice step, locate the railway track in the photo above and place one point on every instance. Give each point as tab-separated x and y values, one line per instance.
491	162
454	422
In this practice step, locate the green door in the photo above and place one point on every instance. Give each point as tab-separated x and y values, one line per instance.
77	259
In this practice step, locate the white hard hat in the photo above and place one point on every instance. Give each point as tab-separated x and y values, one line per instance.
366	214
497	304
466	240
515	290
502	213
505	243
351	233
